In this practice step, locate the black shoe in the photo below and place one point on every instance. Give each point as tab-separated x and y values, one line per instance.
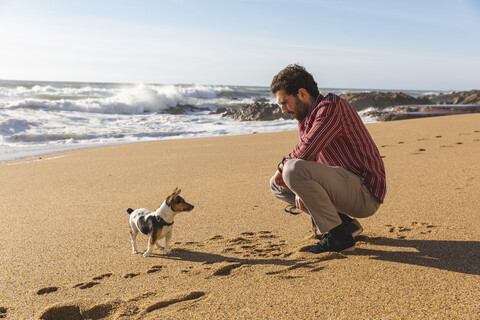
354	228
337	240
352	225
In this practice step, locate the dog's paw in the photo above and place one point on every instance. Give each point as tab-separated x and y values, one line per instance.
135	252
146	254
168	252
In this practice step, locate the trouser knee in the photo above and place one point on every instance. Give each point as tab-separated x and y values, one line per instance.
291	171
281	193
273	186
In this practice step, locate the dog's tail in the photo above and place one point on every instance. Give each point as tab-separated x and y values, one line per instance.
130	210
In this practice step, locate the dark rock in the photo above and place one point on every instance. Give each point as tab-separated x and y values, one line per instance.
259	110
184	108
462	97
418	111
392	116
219	111
424	106
381	100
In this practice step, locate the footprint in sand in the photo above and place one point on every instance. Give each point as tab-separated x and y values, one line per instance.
86	285
194	243
186	270
476	140
217	237
47	290
398	230
311	265
118	309
424	227
419	227
75	311
105	275
194	295
131	275
90	284
306	265
83	285
419	151
257	244
154	269
227	269
3	312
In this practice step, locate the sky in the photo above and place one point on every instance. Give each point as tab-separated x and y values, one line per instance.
407	44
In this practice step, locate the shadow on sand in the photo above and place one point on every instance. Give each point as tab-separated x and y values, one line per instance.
457	256
210	258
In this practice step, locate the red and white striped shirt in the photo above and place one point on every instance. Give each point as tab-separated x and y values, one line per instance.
334	134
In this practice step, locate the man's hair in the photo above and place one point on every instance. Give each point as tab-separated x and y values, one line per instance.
292	78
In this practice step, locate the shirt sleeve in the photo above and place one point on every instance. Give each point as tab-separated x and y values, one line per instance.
325	128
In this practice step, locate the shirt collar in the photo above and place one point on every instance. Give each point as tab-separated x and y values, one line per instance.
318	100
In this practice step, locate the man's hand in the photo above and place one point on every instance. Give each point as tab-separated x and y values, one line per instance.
279	180
299	204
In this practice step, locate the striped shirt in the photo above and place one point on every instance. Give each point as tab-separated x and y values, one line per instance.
334	134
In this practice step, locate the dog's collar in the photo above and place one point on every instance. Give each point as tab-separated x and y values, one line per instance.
163	222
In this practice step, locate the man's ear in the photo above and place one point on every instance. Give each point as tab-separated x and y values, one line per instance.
303	94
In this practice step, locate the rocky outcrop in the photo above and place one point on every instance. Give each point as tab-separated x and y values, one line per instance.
411	112
259	110
462	97
185	108
381	100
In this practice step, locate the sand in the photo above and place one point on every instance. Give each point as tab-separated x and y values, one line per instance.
65	249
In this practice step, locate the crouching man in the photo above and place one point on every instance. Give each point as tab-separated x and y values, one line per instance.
335	171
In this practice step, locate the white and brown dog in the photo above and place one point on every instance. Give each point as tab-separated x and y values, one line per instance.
158	224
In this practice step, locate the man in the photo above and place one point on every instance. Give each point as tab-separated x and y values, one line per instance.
335	171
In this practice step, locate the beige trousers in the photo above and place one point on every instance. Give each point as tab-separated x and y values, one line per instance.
325	191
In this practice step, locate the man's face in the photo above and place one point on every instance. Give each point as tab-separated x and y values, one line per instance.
292	105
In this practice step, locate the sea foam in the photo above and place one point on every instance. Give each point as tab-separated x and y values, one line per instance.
45	117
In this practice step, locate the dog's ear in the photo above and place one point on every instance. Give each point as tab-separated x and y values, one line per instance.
176	192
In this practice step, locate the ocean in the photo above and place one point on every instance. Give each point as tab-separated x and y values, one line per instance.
38	118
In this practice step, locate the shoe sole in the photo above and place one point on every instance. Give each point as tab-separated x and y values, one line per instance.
349	249
354	234
357	233
352	248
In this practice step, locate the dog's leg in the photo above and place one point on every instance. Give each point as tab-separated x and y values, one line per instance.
168	237
133	237
151	242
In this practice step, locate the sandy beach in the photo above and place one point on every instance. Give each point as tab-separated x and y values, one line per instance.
65	251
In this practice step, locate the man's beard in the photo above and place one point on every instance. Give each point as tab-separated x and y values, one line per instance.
301	109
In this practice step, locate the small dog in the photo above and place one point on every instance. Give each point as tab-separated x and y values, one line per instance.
158	224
